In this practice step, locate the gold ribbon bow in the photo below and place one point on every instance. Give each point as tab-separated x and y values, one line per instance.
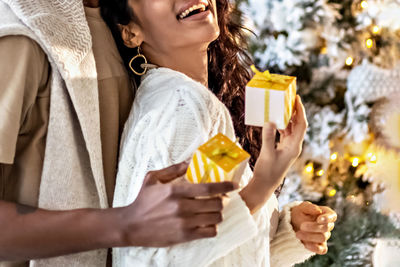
266	76
218	154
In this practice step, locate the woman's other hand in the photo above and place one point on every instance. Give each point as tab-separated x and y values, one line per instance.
275	160
313	225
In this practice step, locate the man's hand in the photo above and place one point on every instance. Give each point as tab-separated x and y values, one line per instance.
313	225
166	213
162	215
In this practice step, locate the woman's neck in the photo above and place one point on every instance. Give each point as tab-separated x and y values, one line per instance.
91	3
193	64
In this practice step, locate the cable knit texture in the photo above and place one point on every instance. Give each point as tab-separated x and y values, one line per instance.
72	174
171	116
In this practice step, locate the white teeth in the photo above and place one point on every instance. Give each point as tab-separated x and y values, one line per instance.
202	8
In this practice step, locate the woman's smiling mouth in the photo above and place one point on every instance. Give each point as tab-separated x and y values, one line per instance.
193	10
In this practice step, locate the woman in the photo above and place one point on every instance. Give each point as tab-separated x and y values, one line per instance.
195	46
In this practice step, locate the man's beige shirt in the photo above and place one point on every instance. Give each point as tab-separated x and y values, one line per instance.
24	109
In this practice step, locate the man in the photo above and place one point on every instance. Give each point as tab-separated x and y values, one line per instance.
64	97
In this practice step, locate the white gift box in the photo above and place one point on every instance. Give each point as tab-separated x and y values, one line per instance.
270	98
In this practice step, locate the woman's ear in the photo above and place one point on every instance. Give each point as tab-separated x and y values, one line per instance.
131	35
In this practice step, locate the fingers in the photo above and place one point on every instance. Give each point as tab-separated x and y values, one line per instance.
166	175
204	232
320	249
300	117
288	130
313	237
198	226
292	143
191	206
314	227
204	219
299	122
310	209
192	234
268	136
328	216
202	190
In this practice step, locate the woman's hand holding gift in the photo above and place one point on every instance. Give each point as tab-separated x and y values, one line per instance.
275	160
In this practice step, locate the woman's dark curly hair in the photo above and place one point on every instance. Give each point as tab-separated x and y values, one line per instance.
228	67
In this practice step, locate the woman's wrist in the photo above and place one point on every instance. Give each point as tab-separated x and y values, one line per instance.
257	192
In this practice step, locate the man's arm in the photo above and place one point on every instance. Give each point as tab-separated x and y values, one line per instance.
28	233
162	215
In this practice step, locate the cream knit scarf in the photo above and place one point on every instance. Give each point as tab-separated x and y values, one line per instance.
73	172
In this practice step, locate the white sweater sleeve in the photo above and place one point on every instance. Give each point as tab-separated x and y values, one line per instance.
165	127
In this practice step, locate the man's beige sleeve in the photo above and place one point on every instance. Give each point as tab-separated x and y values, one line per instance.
21	73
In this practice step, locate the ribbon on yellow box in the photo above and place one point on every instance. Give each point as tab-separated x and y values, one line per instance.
217	160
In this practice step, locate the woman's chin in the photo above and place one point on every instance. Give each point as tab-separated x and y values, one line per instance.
211	35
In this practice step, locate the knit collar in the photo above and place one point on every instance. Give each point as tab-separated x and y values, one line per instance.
62	27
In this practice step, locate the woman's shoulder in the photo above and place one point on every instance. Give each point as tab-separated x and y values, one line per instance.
166	94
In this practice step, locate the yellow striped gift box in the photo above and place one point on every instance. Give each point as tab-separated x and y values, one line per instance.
269	98
218	160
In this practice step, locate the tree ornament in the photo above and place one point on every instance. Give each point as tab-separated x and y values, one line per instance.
385	122
387	253
371	82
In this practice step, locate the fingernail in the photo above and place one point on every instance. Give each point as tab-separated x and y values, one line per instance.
321	219
301	101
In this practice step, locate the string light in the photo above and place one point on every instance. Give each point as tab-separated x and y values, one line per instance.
364	4
369	43
375	29
349	61
372	159
334	156
355	162
352	198
320	172
309	168
332	193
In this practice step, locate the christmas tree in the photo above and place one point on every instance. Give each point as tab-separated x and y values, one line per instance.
346	57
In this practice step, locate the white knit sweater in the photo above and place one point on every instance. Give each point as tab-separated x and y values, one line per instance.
171	116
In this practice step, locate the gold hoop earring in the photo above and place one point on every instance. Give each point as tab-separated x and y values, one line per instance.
139	55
